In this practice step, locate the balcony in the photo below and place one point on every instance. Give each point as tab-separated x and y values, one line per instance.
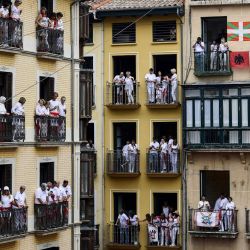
11	35
123	237
163	240
120	165
207	224
204	67
50	43
163	165
12	128
248	224
118	97
90	237
51	218
50	129
163	99
13	224
208	138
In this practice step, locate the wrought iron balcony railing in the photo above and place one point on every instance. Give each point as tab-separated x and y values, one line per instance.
124	235
213	223
211	63
11	33
13	223
90	238
50	41
51	217
119	162
12	128
122	96
48	128
248	223
163	163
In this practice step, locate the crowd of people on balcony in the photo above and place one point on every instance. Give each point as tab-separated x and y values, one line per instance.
225	207
11	32
218	55
161	89
50	31
163	156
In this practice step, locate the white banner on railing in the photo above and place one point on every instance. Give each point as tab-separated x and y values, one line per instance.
207	219
152	233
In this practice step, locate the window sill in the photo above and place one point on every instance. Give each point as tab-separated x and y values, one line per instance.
123	44
165	42
89	44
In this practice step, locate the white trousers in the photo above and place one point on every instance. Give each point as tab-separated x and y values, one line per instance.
151	93
129	93
213	60
173	92
223	61
174	158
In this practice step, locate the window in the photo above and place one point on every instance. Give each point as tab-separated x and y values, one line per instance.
46	87
91	21
161	198
91	132
123	132
166	129
6	88
214	183
47	172
87	209
164	63
164	31
6	176
123	33
126	201
123	64
48	4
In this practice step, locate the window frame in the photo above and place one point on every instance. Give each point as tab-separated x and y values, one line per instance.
125	27
161	40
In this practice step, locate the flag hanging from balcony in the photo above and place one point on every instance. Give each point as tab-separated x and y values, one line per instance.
239	59
238	31
207	219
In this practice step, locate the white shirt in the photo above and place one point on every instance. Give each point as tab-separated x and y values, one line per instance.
20	198
40	194
66	190
18	109
150	78
158	79
41	110
16	12
230	206
154	147
61	193
223	203
6	200
118	80
175	149
62	109
214	48
159	92
123	218
60	25
53	104
125	149
165	210
174	79
217	204
129	81
223	47
134	220
164	147
4	12
204	205
44	22
199	47
133	148
2	109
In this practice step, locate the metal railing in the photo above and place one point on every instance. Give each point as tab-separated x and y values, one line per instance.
11	33
119	162
12	128
50	41
51	216
48	128
163	235
213	220
159	162
163	94
13	222
121	94
247	221
124	234
211	62
217	137
90	238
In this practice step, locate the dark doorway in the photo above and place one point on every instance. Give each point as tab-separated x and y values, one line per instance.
6	88
213	29
160	198
46	87
51	248
213	183
123	64
48	4
127	201
47	172
165	129
5	176
123	132
91	132
164	63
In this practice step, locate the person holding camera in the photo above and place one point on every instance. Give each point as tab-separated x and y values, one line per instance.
199	48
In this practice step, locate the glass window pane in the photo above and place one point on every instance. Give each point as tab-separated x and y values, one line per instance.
207	114
226	113
216	116
192	93
245	91
235	112
245	136
197	105
211	92
193	137
244	112
189	113
230	92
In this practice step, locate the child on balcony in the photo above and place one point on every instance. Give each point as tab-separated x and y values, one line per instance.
159	94
16	11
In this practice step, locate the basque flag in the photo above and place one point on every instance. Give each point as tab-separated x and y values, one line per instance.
239	59
238	31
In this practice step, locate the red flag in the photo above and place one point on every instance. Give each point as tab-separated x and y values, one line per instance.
239	59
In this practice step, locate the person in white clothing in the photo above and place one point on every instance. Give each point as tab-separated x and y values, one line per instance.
20	198
217	203
213	56
67	189
165	209
62	106
164	157
134	230
129	87
165	86
223	49
4	14
3	110
153	156
159	94
54	105
125	155
199	48
90	145
151	81
132	151
41	195
7	198
118	88
16	11
174	85
230	208
203	204
164	230
174	156
59	26
122	223
175	228
18	108
170	143
159	78
223	222
40	108
4	10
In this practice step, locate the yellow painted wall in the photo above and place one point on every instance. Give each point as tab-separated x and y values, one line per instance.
144	49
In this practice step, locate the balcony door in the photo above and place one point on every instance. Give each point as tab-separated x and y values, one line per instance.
123	64
5	176
164	63
47	172
49	5
164	198
165	129
46	87
6	88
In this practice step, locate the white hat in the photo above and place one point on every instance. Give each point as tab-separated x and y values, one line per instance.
6	188
2	99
